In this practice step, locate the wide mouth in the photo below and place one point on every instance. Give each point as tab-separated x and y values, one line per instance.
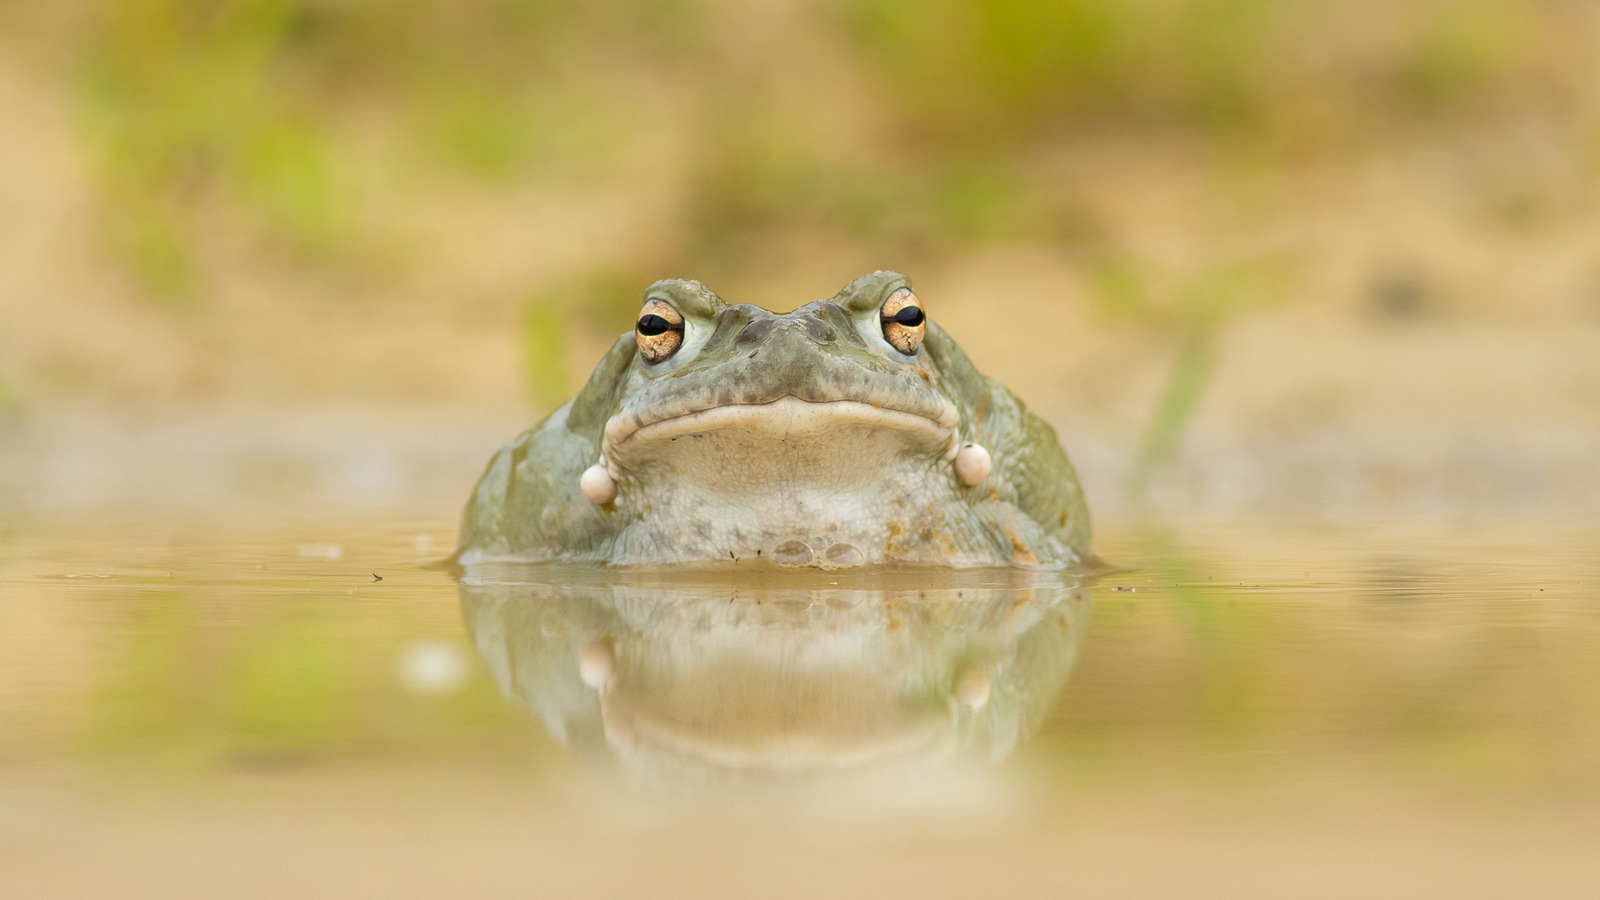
787	420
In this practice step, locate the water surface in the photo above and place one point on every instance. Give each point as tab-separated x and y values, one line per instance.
214	707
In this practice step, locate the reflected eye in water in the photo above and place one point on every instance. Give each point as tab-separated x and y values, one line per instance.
686	681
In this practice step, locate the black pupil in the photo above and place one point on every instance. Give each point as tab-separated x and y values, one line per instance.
909	316
652	325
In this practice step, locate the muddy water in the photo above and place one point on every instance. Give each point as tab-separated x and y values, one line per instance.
212	707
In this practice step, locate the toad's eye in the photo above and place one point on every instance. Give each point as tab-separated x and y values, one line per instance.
904	323
659	330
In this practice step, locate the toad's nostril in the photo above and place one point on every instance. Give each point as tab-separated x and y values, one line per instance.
844	555
791	553
820	331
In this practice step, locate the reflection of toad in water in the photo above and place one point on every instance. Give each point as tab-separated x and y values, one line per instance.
680	677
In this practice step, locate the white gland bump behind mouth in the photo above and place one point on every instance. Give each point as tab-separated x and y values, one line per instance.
973	464
597	484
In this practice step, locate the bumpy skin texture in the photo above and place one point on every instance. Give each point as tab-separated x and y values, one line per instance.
715	458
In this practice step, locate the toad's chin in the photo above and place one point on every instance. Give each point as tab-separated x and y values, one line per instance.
788	442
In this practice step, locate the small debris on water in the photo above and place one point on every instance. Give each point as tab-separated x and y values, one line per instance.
321	551
432	668
376	577
1130	590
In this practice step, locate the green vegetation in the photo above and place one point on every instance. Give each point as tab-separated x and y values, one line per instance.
544	346
253	117
200	680
1189	669
264	132
1193	307
189	120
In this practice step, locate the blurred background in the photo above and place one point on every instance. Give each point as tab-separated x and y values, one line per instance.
1309	288
1329	257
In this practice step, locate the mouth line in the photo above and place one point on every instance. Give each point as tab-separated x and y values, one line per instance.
787	417
772	750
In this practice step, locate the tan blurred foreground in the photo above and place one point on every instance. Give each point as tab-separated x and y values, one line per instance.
425	834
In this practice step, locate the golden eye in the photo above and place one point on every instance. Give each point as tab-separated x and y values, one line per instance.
659	330
903	321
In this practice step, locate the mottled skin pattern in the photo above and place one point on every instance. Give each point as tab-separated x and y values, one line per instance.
715	458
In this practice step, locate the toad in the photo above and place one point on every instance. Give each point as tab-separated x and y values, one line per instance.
851	431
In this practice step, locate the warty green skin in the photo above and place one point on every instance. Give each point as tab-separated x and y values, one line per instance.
820	482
